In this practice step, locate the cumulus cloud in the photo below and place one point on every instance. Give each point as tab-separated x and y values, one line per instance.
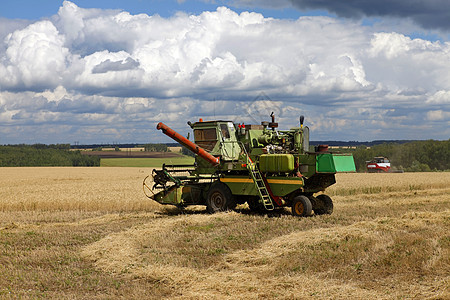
102	68
34	58
441	98
437	115
182	56
7	26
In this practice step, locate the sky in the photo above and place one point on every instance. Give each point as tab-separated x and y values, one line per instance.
108	71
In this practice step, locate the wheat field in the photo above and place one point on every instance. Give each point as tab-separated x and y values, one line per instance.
90	233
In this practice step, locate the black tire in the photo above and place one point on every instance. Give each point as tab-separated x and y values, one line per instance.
301	206
219	198
325	205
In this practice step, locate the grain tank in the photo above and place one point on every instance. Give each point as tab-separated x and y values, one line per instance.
258	164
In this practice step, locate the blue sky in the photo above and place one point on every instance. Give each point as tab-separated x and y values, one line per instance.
27	9
104	71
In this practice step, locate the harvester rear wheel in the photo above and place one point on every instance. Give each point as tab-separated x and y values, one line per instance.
325	205
301	206
219	198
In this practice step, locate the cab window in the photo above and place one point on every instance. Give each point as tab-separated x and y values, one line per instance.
225	131
206	138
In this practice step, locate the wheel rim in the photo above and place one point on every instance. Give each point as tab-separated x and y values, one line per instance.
299	209
217	201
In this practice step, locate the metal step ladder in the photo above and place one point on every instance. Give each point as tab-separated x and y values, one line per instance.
260	185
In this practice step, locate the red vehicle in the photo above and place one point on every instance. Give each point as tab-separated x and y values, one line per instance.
378	165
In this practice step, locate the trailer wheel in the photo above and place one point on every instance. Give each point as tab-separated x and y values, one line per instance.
301	206
219	198
325	205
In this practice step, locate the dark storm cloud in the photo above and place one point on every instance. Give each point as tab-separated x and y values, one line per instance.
430	14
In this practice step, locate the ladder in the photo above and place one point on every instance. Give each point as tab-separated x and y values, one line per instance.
259	184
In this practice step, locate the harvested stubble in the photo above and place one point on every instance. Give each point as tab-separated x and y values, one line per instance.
388	238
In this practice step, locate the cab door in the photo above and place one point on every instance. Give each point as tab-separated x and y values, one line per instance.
229	146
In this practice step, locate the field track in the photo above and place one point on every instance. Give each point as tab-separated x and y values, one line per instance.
90	233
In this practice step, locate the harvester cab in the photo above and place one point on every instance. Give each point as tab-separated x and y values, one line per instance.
257	164
218	138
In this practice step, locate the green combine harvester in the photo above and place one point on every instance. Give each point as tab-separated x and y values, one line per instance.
257	164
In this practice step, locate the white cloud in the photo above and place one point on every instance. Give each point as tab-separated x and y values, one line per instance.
440	98
89	67
187	55
408	65
438	115
35	57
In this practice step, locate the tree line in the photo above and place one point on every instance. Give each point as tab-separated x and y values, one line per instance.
156	147
417	156
44	155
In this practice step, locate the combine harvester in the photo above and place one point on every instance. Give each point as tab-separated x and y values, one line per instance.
378	165
257	164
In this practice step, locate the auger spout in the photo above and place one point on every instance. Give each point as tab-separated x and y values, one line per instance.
188	144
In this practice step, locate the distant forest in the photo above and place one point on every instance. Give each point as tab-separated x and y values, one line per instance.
40	155
417	156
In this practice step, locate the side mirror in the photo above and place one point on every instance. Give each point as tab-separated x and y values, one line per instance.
302	118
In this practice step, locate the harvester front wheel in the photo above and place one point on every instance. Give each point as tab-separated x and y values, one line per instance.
219	198
301	206
325	205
